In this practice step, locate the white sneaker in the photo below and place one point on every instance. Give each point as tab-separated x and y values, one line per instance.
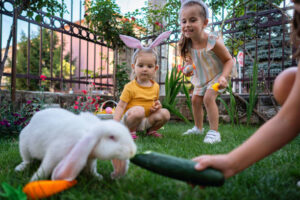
212	137
195	130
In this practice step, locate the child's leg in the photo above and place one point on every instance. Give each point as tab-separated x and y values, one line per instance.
134	117
212	109
212	136
197	106
158	119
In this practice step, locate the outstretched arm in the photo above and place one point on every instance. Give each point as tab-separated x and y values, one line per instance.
222	52
273	135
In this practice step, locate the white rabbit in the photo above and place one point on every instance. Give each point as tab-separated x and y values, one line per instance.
66	142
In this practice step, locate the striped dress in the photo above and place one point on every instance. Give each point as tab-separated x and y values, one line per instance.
208	65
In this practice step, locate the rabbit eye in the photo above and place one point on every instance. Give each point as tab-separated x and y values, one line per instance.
112	137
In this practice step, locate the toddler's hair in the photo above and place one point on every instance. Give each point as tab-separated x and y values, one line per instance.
144	50
185	44
136	54
295	33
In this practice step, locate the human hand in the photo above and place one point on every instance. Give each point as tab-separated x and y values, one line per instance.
220	162
223	82
156	106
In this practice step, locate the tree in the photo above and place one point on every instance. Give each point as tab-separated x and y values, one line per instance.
104	18
21	84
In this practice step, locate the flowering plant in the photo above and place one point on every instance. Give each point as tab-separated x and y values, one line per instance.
87	102
11	121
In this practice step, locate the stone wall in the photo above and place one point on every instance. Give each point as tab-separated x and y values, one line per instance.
264	104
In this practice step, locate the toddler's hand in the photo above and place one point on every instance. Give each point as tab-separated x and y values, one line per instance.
156	106
223	82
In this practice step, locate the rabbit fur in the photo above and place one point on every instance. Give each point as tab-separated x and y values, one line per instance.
66	143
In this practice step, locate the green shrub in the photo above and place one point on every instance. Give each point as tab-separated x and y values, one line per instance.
12	121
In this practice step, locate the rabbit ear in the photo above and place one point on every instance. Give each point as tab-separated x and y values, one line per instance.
73	163
131	42
160	38
120	168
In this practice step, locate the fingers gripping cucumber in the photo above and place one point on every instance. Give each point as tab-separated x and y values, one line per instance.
178	168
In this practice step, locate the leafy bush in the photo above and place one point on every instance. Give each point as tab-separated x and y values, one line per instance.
172	88
13	121
122	77
104	18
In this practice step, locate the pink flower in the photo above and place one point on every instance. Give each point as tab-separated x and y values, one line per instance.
180	68
159	24
84	91
43	77
75	107
89	97
133	18
94	83
76	102
98	98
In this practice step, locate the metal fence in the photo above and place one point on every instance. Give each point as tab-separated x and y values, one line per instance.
262	36
83	57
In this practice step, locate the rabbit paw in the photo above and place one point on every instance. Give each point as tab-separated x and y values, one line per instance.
97	175
21	166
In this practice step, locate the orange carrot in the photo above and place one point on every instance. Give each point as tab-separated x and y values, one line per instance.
46	188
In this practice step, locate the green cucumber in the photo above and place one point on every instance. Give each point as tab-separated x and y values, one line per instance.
178	168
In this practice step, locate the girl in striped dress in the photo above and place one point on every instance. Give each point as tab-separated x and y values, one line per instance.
213	63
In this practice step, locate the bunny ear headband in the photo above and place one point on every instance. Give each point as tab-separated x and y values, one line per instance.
136	44
201	3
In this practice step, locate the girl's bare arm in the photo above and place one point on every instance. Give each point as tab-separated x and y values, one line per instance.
222	52
273	135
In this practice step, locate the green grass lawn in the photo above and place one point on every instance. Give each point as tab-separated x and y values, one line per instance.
275	177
